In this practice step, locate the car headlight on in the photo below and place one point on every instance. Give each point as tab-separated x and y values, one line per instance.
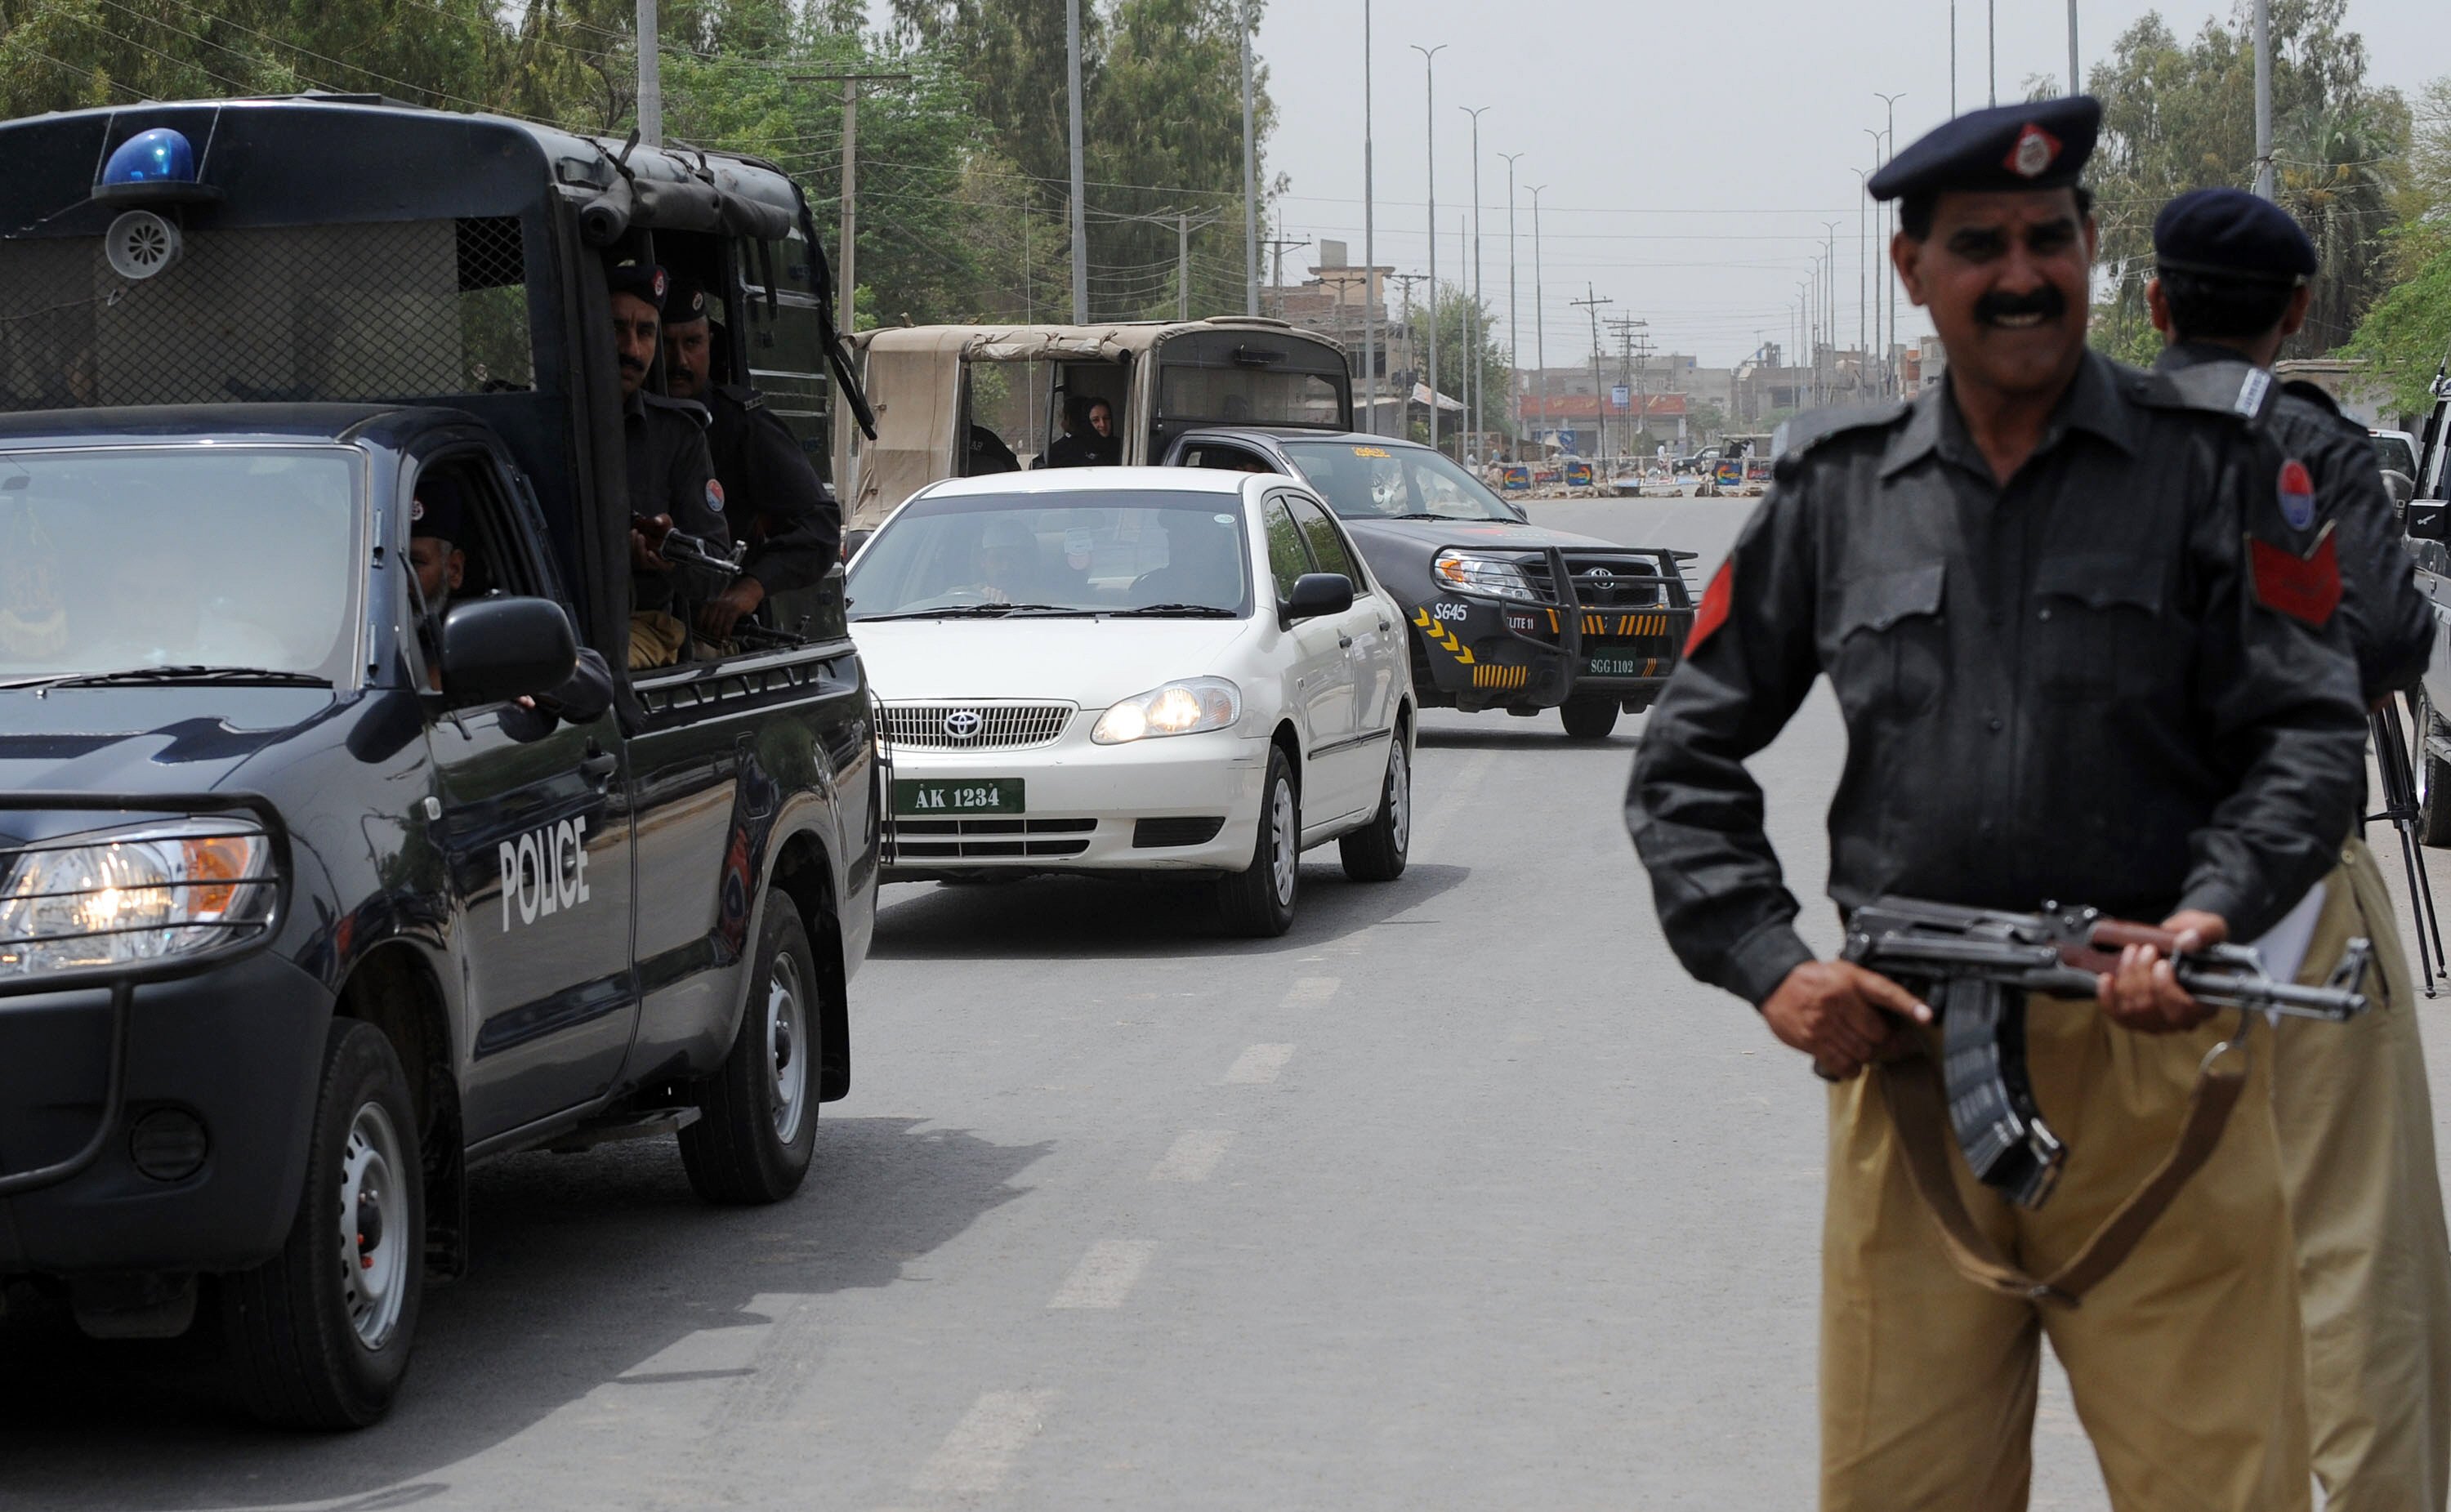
147	893
1179	708
1481	576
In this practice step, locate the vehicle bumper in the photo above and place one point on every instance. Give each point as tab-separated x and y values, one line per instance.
237	1047
1479	654
1085	804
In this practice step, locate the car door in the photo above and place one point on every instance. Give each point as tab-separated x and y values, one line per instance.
1366	637
1319	680
535	825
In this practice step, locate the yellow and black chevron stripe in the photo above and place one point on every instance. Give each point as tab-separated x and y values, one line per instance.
1441	636
1643	624
1485	676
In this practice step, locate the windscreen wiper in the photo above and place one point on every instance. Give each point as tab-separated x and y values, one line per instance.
188	672
1205	611
976	610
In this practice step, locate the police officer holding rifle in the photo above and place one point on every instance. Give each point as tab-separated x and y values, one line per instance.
2081	656
2355	1117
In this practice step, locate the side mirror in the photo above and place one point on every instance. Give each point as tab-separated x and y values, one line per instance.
1319	593
1518	512
2430	519
2399	485
505	648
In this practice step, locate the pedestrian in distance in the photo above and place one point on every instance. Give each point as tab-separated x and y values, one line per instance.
2355	1117
2080	656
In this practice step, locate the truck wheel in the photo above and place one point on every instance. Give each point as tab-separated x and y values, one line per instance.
1588	716
2433	775
319	1335
758	1124
1258	901
1376	852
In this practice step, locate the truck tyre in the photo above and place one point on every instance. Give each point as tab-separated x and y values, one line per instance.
1588	716
1258	901
319	1335
2433	775
758	1124
1376	852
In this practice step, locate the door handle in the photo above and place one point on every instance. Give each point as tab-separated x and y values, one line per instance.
1347	641
596	765
1383	624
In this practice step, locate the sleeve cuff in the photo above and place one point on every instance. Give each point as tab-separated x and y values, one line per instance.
1762	959
2216	897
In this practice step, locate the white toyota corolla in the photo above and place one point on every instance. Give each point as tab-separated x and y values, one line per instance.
1121	669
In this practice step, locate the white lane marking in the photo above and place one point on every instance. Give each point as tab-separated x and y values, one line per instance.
1194	1155
974	1456
1259	1064
1105	1275
1309	992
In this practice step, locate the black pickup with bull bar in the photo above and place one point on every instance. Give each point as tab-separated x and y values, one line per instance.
1607	623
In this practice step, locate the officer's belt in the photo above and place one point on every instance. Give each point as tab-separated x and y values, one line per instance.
1911	1085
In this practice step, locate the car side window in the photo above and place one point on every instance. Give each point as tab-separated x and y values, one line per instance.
1287	561
1326	545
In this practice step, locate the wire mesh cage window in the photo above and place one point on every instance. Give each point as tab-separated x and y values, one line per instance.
394	310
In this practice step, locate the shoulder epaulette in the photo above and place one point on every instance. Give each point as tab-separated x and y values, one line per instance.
2327	409
2239	389
1817	427
696	411
742	395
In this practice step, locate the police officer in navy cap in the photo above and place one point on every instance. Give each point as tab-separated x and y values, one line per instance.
786	513
673	485
2078	657
2355	1117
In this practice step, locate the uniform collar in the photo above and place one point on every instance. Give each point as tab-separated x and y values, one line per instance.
2195	354
2092	404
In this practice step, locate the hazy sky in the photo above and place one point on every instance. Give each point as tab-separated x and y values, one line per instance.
1690	152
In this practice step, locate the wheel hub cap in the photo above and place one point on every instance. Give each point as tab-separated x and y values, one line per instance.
374	1220
1287	855
786	1033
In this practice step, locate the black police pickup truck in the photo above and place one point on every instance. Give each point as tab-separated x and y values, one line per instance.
1505	614
327	869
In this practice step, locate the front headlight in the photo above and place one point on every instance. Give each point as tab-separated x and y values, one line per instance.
144	894
1481	576
1179	708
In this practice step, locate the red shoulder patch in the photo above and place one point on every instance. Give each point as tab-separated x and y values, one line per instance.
1713	610
2305	587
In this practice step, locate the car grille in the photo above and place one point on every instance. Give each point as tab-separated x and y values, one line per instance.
980	726
989	839
1604	582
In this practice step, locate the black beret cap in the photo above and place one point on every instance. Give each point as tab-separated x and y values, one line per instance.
437	509
644	279
2230	233
686	301
2040	144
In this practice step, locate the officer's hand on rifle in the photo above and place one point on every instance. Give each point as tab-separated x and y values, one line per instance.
2143	993
718	617
1840	1014
646	542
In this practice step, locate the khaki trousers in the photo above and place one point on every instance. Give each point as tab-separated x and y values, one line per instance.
2365	1202
2187	1362
656	640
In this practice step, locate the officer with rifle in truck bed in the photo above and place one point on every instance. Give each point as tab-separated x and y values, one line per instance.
2356	1121
2080	656
673	485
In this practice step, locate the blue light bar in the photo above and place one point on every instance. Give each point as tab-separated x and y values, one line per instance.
158	156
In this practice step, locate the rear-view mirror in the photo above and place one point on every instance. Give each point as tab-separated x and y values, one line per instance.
505	648
1319	593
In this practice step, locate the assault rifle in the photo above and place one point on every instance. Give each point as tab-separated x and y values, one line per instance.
2395	761
1976	966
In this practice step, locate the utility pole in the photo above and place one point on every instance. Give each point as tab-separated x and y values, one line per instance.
1277	245
651	77
1540	322
2264	175
1430	131
1412	357
1250	173
1599	395
1863	284
1477	408
1625	326
1830	264
1992	42
1080	175
1514	328
1182	267
1889	149
1370	360
2076	78
847	264
1952	59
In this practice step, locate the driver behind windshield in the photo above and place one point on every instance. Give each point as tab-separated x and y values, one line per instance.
1007	552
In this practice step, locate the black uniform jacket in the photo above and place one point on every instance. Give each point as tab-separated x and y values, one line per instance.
2389	622
2074	688
784	510
671	473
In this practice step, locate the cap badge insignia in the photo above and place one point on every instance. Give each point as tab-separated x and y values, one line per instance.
416	510
659	283
2036	152
2296	494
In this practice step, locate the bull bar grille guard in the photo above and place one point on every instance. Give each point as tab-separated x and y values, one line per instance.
1565	601
123	981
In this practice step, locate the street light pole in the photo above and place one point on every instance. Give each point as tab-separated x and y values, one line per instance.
1863	283
1430	134
2076	80
1952	59
1829	246
1539	323
2264	99
1250	170
1888	148
651	78
1476	403
1369	247
1080	186
1514	325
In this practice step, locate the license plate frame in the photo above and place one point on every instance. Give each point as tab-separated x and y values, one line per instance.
959	797
1610	666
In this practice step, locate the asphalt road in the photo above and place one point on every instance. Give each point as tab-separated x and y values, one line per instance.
1459	1195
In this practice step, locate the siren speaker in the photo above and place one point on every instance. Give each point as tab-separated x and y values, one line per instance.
140	243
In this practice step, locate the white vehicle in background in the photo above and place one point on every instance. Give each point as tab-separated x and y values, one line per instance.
1136	669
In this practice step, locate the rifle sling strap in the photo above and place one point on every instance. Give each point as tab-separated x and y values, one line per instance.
1911	1087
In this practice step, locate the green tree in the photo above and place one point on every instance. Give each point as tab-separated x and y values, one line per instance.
2407	334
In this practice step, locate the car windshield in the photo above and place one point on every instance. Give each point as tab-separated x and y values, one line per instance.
1364	481
185	556
2393	454
1108	551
